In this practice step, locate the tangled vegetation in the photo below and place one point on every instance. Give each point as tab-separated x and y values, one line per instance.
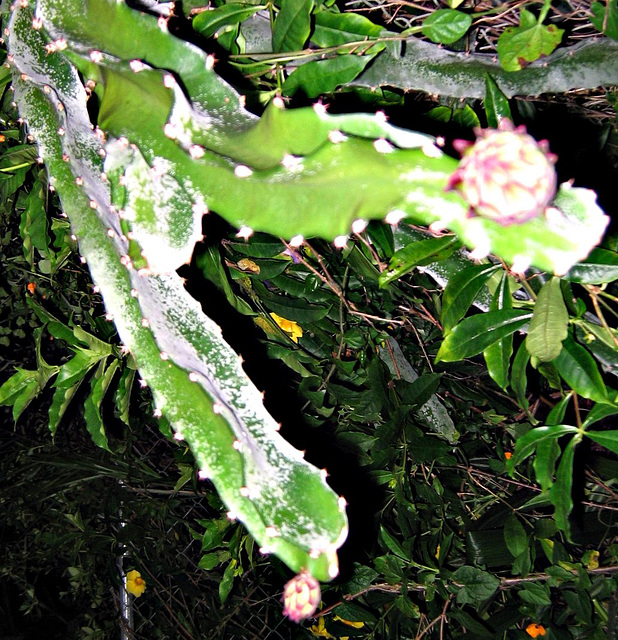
436	334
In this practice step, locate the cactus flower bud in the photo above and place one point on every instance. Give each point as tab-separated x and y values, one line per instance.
506	175
301	597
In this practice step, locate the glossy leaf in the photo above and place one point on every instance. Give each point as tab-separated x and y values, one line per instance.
519	376
605	18
446	25
461	291
579	370
518	46
608	439
496	104
332	29
417	253
473	585
498	355
561	492
292	25
549	325
515	536
207	23
526	444
473	335
599	267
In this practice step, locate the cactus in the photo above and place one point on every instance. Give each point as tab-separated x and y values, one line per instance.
173	140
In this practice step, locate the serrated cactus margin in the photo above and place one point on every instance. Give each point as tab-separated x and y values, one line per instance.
196	379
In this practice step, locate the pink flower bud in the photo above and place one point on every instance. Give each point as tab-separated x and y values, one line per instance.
301	597
506	175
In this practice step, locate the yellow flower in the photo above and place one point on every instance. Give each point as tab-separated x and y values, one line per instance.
319	630
289	326
535	630
135	584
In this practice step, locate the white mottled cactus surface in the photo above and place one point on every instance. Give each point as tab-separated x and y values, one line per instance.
171	141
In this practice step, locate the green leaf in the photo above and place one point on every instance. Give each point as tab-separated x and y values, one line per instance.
498	355
535	593
418	253
599	412
526	444
496	104
207	23
549	324
608	439
92	405
292	25
295	309
531	40
122	396
227	582
579	370
392	544
473	585
473	335
324	76
461	291
599	267
77	367
519	376
547	454
562	489
605	18
446	26
33	225
211	560
421	390
61	401
333	29
515	536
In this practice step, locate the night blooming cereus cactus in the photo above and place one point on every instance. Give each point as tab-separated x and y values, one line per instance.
506	175
168	141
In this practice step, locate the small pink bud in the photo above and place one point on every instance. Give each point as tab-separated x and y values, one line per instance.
506	175
301	597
